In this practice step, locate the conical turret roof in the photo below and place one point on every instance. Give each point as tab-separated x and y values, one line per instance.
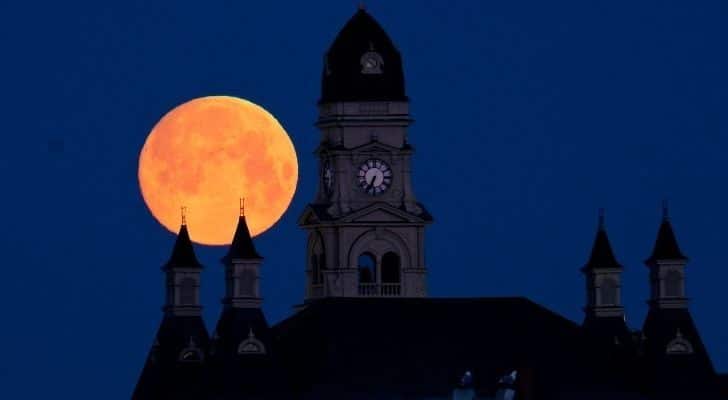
183	254
666	247
602	255
242	246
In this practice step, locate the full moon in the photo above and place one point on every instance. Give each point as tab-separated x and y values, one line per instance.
206	155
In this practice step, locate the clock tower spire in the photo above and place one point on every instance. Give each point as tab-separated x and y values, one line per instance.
365	225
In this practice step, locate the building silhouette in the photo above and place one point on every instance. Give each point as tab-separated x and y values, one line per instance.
366	328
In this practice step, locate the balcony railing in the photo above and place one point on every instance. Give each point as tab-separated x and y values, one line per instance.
380	289
390	289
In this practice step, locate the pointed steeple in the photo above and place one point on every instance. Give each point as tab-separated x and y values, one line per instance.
667	269
241	366
666	247
176	365
183	255
602	255
242	246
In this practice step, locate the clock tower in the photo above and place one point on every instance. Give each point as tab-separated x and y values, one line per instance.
365	226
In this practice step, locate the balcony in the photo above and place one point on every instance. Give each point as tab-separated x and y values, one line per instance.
380	290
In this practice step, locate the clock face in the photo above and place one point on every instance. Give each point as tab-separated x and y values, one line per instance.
375	176
328	177
371	63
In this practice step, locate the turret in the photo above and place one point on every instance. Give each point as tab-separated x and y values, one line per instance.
242	269
667	269
183	277
603	279
676	362
176	366
241	345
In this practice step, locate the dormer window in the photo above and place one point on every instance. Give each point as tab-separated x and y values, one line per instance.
191	353
679	345
251	345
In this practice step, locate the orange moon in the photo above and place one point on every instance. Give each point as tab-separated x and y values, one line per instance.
208	153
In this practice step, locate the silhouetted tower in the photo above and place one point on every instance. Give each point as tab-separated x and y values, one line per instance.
604	310
176	365
675	358
240	347
365	226
667	270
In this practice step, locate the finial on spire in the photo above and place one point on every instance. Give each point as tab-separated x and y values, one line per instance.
665	210
601	219
362	6
242	206
183	211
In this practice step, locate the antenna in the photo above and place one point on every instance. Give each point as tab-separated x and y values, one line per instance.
183	211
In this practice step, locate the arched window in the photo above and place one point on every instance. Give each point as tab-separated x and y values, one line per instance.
191	353
608	292
390	268
321	267
187	292
673	284
315	269
251	345
367	268
679	345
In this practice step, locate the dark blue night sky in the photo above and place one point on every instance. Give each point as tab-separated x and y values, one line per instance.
530	116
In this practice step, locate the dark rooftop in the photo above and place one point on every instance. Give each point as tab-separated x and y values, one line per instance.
242	246
666	247
183	255
602	255
344	77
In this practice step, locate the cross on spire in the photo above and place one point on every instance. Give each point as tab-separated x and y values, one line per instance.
242	206
665	210
183	211
601	219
